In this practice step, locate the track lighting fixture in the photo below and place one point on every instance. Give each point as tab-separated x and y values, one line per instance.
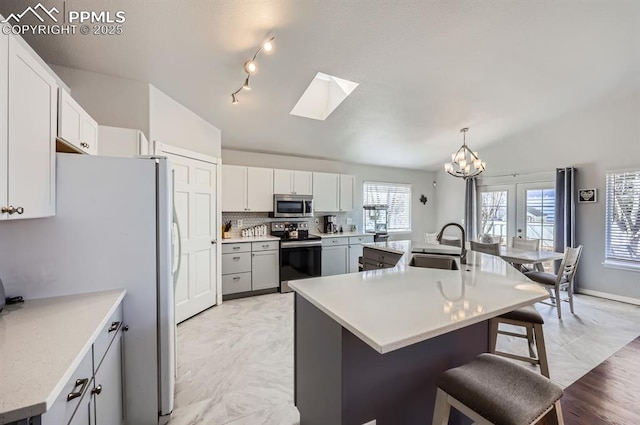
250	67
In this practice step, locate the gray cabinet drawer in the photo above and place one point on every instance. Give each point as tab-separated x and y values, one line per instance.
234	283
229	248
375	265
265	246
236	263
107	334
378	256
77	388
354	240
335	241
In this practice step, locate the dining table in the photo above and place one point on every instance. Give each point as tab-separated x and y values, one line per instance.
518	257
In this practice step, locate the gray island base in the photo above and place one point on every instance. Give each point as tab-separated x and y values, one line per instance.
341	380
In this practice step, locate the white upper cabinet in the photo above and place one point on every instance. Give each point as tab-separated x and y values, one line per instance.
333	192
234	188
75	125
283	182
247	189
28	108
347	185
325	192
259	189
292	182
302	183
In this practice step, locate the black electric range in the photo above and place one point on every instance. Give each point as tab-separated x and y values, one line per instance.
300	252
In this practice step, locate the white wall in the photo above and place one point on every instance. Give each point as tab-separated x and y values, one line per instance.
604	136
423	216
172	123
112	101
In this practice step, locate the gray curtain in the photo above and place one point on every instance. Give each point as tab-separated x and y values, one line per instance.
565	214
470	209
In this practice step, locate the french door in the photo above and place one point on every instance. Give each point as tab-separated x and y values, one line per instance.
523	210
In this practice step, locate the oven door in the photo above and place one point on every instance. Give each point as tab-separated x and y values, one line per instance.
299	260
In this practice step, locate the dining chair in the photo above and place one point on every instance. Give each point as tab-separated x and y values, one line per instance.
431	237
562	280
525	244
487	248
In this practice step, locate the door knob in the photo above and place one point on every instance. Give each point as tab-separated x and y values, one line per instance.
214	241
97	390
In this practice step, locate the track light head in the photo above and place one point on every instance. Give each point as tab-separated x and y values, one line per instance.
268	45
246	85
234	99
250	67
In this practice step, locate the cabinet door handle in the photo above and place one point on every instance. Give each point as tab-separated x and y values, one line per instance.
213	242
82	383
114	326
97	390
19	210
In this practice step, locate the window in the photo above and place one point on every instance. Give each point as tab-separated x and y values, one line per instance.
623	218
397	197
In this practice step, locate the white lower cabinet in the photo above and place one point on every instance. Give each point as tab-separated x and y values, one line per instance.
335	256
250	266
355	252
265	270
94	394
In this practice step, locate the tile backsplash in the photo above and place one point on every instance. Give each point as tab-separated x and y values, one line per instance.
251	219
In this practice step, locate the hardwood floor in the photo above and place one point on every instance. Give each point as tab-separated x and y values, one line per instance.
609	394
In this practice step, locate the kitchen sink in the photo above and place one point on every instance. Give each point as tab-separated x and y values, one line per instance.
434	262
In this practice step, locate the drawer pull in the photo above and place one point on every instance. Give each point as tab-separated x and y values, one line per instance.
114	326
97	390
235	248
236	278
236	258
265	246
82	383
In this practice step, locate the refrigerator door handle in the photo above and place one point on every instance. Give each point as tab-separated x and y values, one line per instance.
176	271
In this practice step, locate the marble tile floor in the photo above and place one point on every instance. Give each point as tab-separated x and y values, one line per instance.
235	361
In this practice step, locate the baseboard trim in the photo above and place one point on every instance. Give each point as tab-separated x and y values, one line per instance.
628	300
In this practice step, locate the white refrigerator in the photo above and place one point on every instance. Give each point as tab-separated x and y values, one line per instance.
113	229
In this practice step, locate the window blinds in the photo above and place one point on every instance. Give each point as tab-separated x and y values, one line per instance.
623	216
397	197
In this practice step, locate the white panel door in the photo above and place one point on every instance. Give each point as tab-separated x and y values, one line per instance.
33	98
355	252
195	203
325	191
347	183
89	134
335	260
283	181
234	188
69	118
4	87
303	182
259	189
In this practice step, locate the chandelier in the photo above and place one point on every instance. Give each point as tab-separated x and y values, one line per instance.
465	163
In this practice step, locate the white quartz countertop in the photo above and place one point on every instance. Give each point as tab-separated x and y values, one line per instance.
341	235
397	307
240	239
42	343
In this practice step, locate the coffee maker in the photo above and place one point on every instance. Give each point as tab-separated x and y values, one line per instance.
329	224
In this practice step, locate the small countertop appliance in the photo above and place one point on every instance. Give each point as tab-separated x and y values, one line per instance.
329	224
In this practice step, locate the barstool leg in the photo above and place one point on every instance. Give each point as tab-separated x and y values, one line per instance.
558	410
542	351
530	340
558	302
493	335
442	409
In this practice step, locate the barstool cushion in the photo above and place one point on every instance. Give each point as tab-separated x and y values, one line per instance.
542	277
499	390
525	314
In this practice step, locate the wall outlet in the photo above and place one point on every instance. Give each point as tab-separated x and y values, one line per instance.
239	223
349	220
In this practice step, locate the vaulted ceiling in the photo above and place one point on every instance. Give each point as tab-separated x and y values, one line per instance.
425	68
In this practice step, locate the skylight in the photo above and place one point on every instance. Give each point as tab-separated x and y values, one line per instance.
323	96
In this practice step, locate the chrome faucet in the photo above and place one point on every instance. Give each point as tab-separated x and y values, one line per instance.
463	252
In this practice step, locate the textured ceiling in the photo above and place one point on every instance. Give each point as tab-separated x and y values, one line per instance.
425	68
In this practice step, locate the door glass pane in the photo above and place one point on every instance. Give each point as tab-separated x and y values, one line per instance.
493	215
540	210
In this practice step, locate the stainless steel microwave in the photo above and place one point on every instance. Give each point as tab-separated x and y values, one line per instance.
288	206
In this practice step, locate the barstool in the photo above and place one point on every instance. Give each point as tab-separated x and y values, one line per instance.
529	318
492	390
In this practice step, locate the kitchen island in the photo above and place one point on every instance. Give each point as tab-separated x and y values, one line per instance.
369	346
